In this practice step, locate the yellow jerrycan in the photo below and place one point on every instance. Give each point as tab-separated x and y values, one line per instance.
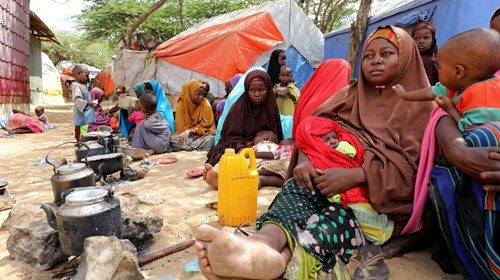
238	186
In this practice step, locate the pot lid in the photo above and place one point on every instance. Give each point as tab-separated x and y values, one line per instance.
98	134
85	196
71	168
104	157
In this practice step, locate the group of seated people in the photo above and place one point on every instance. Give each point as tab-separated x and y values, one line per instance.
368	168
381	166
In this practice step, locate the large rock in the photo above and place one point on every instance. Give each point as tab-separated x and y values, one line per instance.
35	243
108	258
23	213
6	201
138	227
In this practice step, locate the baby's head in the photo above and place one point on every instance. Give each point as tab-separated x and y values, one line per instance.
39	111
285	75
147	102
265	136
469	57
331	139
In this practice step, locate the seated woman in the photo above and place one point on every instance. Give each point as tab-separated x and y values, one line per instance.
256	110
100	116
152	133
292	233
163	106
21	122
218	106
194	120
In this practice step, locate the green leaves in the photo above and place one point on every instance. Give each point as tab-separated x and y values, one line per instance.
79	49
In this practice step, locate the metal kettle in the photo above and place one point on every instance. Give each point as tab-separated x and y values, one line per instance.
68	176
87	211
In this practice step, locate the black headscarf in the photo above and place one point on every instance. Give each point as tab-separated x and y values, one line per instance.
273	70
246	119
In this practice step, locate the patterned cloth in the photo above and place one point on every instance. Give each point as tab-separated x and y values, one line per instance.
324	229
469	216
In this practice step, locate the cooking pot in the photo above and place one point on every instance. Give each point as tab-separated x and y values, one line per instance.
105	138
87	211
106	164
71	175
92	148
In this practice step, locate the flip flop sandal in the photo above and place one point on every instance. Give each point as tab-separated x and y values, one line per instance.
370	264
195	172
166	160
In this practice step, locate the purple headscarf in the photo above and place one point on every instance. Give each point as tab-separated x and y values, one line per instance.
96	93
235	79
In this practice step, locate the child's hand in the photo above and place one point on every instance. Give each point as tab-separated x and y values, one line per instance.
444	102
400	90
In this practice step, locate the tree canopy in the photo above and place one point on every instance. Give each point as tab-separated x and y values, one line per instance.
108	19
79	49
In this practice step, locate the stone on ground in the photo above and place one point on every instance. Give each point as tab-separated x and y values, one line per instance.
6	201
138	227
108	258
23	213
35	243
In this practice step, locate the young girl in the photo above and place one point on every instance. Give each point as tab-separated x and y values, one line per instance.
424	35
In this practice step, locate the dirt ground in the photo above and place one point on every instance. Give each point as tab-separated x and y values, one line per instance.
184	208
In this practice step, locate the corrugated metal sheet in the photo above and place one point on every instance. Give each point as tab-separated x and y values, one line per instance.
14	52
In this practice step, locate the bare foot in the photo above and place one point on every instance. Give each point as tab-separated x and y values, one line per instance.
223	254
210	176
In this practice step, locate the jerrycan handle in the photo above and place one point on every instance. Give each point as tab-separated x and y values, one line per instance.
249	153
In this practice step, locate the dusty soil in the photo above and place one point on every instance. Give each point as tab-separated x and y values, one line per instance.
184	208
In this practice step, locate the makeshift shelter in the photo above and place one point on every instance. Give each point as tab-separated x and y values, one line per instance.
41	68
217	48
449	16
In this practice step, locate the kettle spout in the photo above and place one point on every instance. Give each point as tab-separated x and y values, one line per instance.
51	217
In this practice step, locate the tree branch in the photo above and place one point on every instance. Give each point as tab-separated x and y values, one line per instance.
132	27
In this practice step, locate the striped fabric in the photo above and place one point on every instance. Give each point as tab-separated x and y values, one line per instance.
470	217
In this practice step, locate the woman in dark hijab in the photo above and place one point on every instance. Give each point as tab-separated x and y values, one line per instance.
424	35
277	60
256	110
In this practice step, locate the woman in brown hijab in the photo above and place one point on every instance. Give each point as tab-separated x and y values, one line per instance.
194	119
256	110
301	222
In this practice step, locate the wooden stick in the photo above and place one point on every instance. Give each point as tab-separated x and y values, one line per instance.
165	252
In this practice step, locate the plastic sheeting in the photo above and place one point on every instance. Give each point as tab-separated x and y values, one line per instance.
132	67
450	18
223	50
50	77
105	77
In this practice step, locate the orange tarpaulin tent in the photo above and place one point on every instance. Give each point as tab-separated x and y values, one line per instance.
105	77
223	50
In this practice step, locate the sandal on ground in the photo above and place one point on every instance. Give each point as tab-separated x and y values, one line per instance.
370	264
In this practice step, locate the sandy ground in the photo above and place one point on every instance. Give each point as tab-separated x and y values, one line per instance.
184	208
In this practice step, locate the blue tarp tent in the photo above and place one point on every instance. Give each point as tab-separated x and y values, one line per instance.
449	16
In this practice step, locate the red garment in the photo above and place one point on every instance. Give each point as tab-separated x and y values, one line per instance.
331	76
136	117
322	156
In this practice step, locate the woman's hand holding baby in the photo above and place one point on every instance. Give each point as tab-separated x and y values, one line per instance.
334	181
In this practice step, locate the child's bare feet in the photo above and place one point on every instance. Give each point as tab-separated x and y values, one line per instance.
223	254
